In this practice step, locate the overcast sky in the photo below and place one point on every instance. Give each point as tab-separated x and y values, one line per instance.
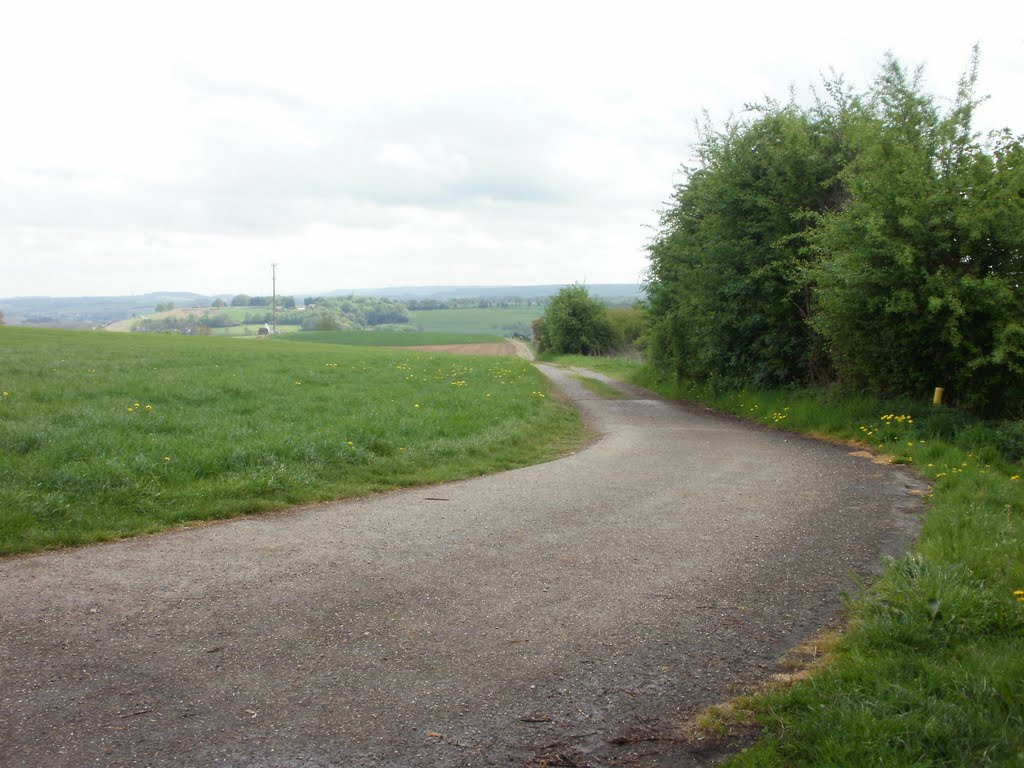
186	146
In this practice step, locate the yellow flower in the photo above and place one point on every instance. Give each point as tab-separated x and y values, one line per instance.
131	410
6	394
149	407
136	405
167	458
1015	477
417	405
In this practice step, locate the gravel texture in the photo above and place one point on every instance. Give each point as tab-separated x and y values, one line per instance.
572	613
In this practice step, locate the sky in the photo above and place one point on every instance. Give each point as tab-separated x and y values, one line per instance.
188	146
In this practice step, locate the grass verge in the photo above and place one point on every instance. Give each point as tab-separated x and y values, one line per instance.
929	670
107	435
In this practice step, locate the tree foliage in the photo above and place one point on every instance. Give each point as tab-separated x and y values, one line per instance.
870	239
575	323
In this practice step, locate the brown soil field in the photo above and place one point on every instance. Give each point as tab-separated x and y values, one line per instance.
502	349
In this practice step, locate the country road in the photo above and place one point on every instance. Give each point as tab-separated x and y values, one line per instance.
574	612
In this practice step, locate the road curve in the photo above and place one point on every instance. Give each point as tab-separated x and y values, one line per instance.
572	611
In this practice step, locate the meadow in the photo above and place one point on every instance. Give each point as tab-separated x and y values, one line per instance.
929	669
393	338
108	435
500	321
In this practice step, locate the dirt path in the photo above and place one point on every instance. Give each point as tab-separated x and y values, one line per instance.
572	611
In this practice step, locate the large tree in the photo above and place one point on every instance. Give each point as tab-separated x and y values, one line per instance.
918	273
871	238
727	284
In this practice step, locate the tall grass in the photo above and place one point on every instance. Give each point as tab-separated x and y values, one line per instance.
930	671
107	435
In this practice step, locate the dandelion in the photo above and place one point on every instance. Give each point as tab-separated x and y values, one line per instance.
417	405
1019	594
167	458
7	394
130	409
149	407
136	405
941	474
1015	477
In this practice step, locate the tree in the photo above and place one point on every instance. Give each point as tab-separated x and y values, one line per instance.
576	323
165	306
219	303
241	300
726	283
1	318
918	275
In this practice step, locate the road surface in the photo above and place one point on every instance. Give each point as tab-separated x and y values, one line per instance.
574	612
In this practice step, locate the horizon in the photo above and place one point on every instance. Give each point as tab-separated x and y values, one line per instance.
333	291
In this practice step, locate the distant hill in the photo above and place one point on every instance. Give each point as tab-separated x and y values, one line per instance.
90	311
94	311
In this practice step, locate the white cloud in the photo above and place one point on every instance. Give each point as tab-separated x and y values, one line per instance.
187	146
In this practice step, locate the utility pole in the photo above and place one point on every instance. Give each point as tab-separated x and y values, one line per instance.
273	300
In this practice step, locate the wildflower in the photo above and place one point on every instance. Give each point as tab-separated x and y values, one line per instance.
1019	594
417	405
130	409
941	474
1015	477
7	394
149	407
167	458
136	405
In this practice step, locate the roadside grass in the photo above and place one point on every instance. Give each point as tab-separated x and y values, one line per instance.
600	388
379	338
107	435
929	670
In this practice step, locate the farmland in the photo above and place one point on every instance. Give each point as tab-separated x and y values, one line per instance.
108	435
500	321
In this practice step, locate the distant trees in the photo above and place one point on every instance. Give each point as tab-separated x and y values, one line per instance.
219	303
241	300
164	306
869	240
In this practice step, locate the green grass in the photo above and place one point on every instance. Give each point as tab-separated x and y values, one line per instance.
600	388
502	321
251	329
394	338
107	435
929	671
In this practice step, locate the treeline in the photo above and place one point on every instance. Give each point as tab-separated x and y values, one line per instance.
317	314
872	240
341	313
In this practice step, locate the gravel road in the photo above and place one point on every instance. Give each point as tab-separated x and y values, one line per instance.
573	612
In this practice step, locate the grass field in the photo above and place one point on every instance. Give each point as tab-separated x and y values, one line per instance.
930	669
496	320
108	435
393	338
253	329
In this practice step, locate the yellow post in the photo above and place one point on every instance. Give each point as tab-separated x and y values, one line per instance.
937	400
